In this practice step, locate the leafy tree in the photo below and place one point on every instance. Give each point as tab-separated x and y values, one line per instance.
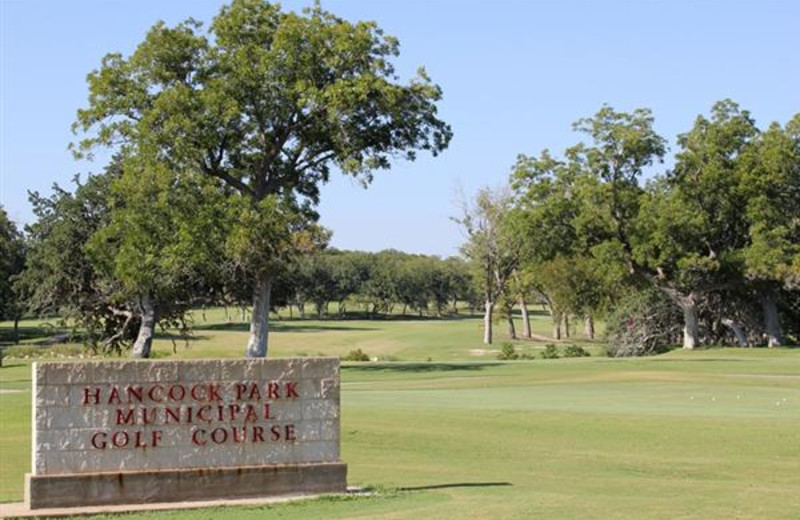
772	256
60	277
161	242
12	260
493	248
268	102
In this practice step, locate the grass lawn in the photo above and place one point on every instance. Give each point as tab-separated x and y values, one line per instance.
708	434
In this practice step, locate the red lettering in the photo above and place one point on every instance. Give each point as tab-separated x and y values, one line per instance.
156	438
272	391
196	395
123	418
152	393
234	410
240	390
114	396
276	433
196	438
291	389
134	392
250	413
201	414
254	392
219	439
99	440
290	433
149	415
266	412
213	393
258	434
172	415
93	393
120	439
176	395
137	440
239	434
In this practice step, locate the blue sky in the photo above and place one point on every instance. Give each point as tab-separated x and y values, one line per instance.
515	75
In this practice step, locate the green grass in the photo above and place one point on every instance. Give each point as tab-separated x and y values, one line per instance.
707	434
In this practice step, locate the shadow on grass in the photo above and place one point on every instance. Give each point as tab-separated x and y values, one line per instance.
279	326
456	485
26	334
179	338
419	367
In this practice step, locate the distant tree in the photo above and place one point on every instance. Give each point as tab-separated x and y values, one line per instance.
267	102
493	248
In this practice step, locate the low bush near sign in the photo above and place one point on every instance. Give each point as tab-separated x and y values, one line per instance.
356	355
550	352
575	351
507	352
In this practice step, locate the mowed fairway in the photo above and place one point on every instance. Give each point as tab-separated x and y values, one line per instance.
709	434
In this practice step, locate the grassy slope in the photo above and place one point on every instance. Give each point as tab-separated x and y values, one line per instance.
710	434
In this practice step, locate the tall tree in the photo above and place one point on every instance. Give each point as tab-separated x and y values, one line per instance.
269	102
493	248
773	210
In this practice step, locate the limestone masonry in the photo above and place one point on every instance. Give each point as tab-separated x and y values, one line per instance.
152	416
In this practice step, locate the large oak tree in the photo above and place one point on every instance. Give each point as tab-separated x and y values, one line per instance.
268	102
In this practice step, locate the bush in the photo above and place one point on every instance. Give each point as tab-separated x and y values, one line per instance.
550	352
644	323
507	352
575	351
356	355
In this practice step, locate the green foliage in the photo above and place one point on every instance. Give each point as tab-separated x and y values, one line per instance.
644	323
575	351
12	259
267	102
61	277
507	352
356	355
550	352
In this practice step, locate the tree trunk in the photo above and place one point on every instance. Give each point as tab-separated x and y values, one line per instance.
512	330
301	309
16	330
566	325
556	324
741	337
487	322
259	319
526	319
691	330
588	325
144	340
772	323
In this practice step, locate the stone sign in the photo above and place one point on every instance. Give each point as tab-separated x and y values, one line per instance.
153	431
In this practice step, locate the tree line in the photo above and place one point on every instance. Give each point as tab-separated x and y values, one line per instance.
706	252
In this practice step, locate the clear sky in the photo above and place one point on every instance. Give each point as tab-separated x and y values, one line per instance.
515	75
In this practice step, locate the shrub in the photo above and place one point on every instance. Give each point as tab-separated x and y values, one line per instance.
643	323
550	352
356	355
575	351
507	352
